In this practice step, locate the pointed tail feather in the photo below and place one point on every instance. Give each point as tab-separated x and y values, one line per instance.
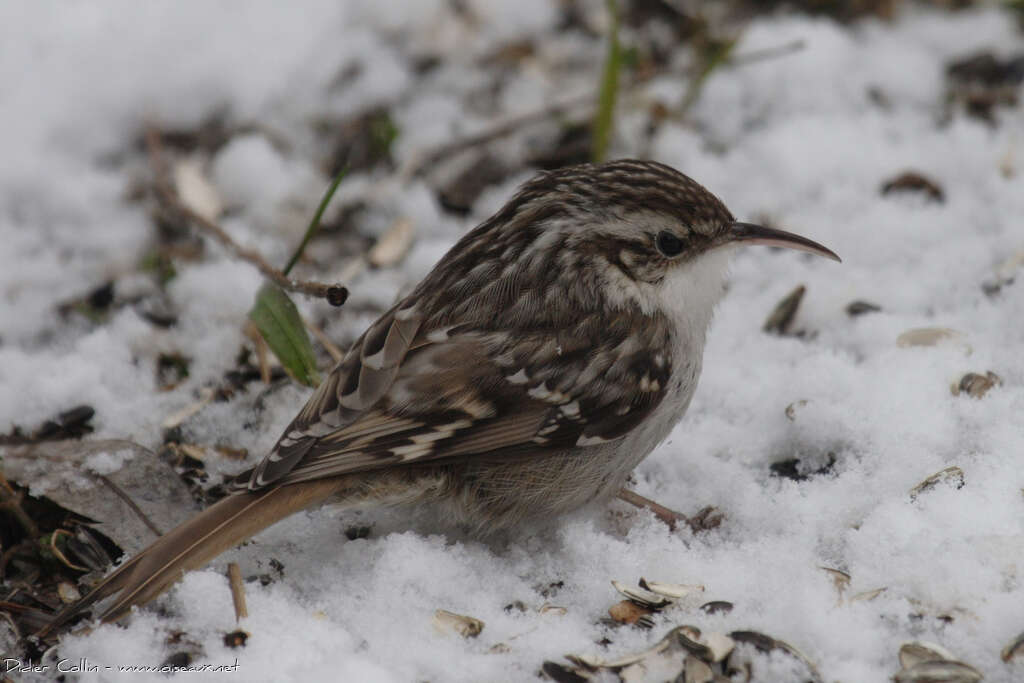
194	543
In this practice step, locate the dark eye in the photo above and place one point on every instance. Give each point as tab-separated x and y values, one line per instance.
669	244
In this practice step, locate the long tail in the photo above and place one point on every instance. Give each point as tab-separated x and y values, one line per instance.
194	543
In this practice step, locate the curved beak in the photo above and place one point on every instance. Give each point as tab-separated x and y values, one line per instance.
748	233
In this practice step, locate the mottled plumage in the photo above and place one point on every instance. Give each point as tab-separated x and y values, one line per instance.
549	351
511	342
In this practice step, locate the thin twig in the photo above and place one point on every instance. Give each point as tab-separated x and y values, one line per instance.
120	493
325	341
11	499
430	157
166	193
262	360
309	288
766	53
500	130
237	591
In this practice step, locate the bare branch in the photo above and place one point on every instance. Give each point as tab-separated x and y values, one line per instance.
669	517
336	353
583	103
335	294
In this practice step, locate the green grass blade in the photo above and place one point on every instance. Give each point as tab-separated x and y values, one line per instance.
314	224
604	118
277	319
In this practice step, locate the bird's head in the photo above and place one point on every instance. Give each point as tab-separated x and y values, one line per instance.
636	232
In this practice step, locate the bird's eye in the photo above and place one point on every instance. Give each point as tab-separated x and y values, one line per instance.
668	243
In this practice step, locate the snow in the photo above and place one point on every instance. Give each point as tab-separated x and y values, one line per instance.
796	139
256	178
107	463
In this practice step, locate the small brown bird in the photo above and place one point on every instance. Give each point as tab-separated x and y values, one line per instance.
541	359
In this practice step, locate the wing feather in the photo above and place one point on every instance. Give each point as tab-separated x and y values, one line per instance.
408	393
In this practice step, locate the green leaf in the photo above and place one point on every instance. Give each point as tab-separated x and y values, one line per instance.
277	319
604	117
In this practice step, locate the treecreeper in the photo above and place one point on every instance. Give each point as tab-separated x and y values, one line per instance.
545	355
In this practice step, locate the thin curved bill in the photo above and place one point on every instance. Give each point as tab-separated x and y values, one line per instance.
748	233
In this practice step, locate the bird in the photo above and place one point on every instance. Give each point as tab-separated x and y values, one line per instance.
549	351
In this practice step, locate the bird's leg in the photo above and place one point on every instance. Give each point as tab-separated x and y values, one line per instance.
706	518
669	517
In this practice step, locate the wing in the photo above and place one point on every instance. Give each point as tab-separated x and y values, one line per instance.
406	394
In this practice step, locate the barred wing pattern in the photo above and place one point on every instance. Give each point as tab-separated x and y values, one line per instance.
405	394
508	346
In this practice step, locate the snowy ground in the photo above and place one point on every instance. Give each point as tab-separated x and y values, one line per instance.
797	139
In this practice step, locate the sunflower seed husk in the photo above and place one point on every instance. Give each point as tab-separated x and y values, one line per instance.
791	409
628	612
759	640
195	190
681	656
867	596
912	181
643	597
645	621
720	645
68	592
767	644
517	606
671	590
691	632
635	673
661	666
855	308
688	639
591	662
717	607
393	245
975	384
1014	648
781	319
840	579
697	671
931	336
450	622
671	642
560	673
951	475
938	672
914	652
